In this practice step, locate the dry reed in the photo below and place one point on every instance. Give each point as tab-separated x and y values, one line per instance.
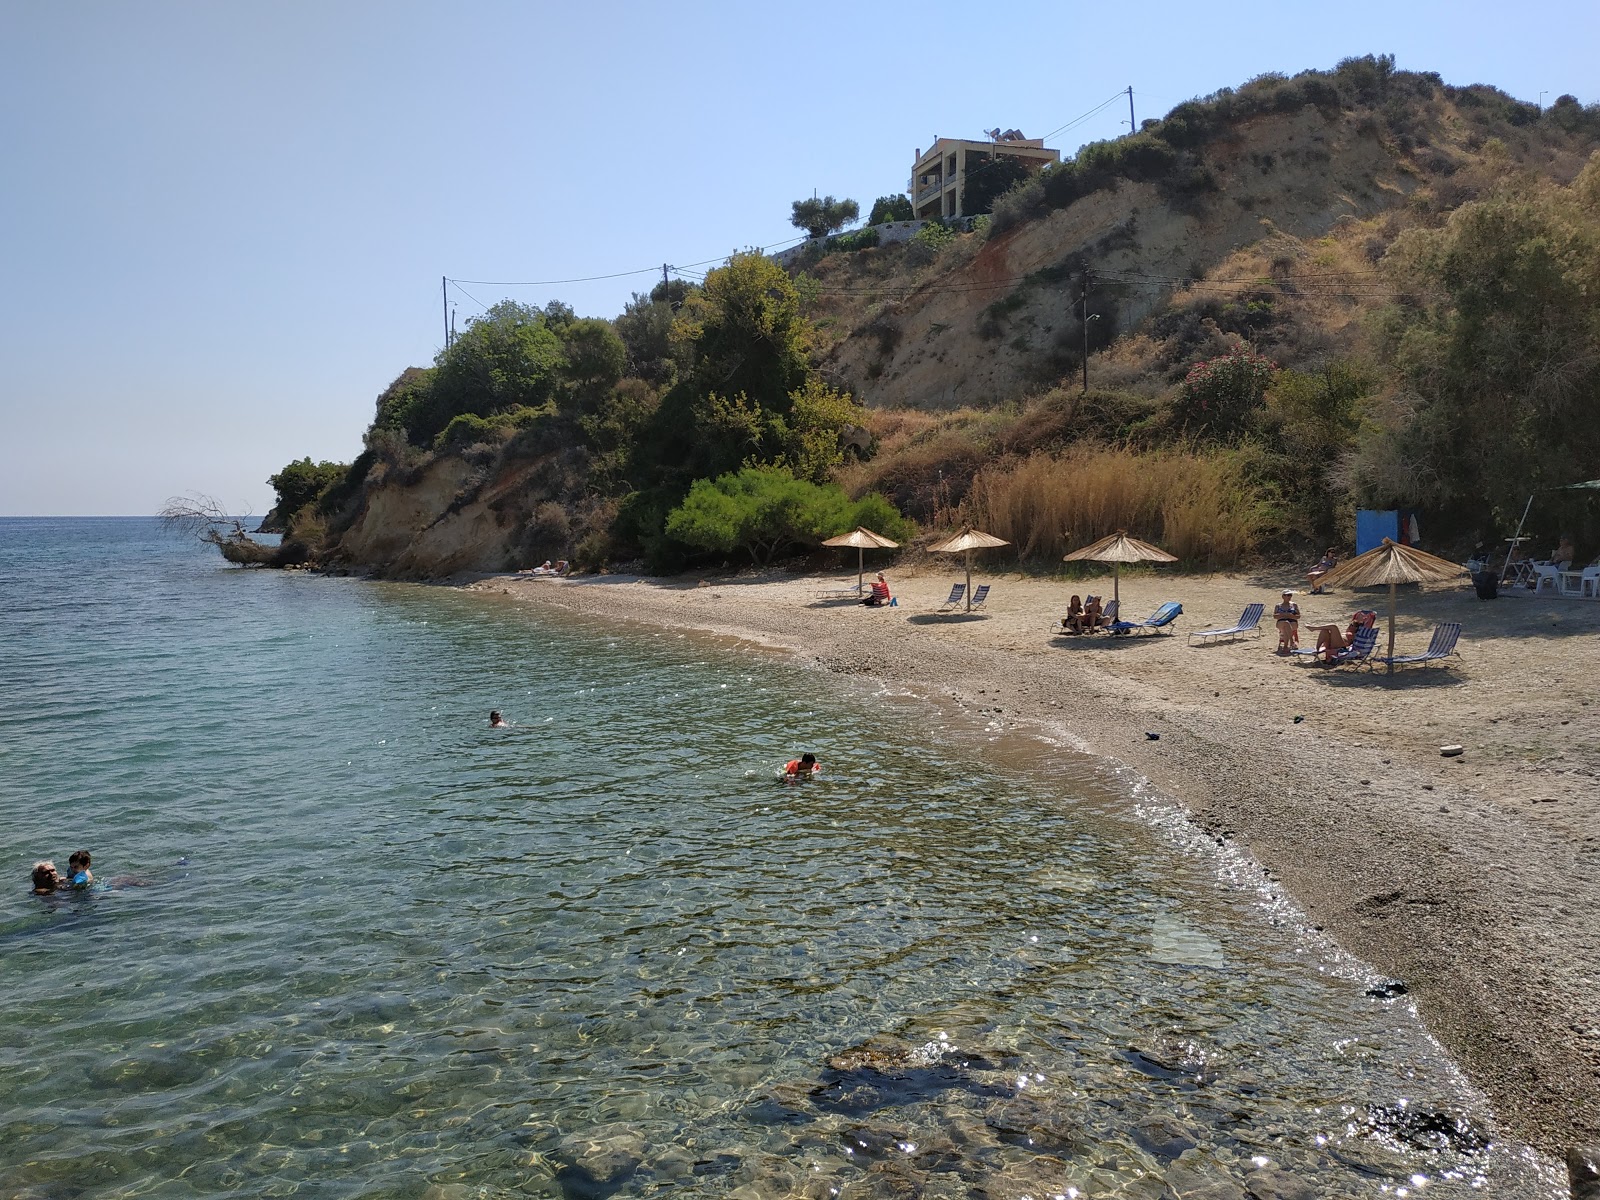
1200	506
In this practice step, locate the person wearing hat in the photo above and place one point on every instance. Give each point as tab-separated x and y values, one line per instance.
1287	615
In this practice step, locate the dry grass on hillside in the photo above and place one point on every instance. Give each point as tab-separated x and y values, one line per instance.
1200	507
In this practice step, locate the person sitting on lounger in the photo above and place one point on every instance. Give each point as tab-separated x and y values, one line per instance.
1324	565
1287	615
1331	640
879	595
1073	621
1092	614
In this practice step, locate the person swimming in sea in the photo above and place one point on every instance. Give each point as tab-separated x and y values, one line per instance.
78	873
46	880
496	721
804	767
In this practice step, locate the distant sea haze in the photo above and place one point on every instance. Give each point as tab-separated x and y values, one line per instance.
350	941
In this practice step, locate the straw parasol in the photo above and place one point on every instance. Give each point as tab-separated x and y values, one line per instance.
968	540
863	539
1392	564
1117	549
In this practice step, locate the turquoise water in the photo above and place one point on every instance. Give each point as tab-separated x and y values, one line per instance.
380	950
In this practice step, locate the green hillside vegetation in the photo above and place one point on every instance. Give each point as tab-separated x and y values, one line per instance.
1388	299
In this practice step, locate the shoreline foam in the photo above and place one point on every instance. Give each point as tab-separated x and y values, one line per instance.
1475	880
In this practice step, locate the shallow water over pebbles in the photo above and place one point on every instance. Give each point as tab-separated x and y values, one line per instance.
603	952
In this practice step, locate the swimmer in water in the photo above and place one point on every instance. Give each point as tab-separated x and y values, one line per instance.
803	767
496	721
45	878
78	873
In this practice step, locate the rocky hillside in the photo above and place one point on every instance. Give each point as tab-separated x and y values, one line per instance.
1354	286
1312	197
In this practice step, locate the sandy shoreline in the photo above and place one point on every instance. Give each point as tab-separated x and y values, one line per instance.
1475	880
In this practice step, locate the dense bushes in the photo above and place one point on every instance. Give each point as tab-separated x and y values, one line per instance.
762	510
1219	396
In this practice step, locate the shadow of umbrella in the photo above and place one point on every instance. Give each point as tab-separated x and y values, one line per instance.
968	540
863	539
1392	564
1117	549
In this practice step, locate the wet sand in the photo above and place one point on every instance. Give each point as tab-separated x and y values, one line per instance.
1475	880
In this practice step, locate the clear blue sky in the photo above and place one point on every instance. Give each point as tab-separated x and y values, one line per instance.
225	223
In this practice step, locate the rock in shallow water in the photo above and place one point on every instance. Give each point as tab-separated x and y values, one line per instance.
1270	1183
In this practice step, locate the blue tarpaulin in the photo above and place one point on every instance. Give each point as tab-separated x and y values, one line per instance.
1373	525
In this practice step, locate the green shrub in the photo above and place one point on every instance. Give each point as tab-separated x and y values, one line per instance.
762	510
1219	396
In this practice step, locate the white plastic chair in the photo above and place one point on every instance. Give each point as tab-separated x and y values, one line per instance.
1589	584
1546	573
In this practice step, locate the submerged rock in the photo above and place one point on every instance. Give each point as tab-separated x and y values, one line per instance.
1195	1183
1387	990
866	1078
1271	1183
1424	1128
1583	1171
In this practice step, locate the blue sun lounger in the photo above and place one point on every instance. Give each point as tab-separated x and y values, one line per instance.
1249	625
1162	617
957	591
980	596
1441	647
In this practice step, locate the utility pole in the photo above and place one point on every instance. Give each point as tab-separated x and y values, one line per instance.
666	287
1132	128
444	294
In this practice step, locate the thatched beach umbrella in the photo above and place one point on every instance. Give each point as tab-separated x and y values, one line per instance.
968	540
1392	564
1117	549
862	539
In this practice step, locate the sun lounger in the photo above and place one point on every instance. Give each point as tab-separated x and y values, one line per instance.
957	591
980	596
1359	650
1249	625
1162	617
1442	646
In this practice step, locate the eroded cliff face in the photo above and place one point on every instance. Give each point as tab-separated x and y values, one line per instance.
438	524
1005	322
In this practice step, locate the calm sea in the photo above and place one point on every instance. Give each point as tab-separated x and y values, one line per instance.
358	944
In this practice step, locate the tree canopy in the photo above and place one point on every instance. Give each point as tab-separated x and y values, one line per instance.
819	218
891	208
1499	353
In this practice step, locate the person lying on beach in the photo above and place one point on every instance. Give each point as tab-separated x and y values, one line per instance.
1287	615
1331	639
45	878
78	873
879	595
496	721
1325	564
803	767
1073	621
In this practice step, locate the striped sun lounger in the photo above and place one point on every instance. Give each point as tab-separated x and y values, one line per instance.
1441	647
1249	625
